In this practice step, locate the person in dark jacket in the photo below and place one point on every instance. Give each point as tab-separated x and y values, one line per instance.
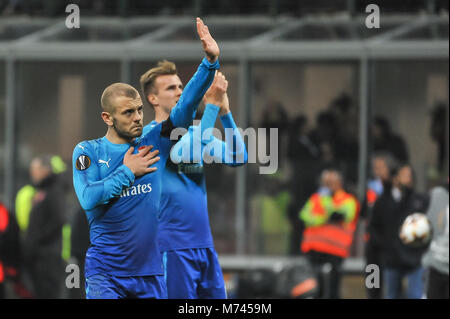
10	255
384	166
4	222
385	140
436	259
305	159
79	243
398	260
43	238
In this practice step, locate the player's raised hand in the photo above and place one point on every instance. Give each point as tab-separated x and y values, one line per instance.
209	44
217	92
140	163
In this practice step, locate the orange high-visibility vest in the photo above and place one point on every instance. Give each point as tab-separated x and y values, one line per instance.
2	273
4	218
333	239
371	196
4	221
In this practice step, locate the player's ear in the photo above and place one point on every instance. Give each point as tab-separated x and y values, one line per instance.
152	99
107	118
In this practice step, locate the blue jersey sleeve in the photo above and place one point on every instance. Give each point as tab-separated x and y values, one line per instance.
189	148
234	152
182	114
91	189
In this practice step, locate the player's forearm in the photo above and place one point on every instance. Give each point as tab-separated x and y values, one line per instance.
94	193
235	150
209	118
182	114
186	149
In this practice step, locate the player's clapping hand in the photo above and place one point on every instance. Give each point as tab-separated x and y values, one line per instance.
209	44
217	93
140	163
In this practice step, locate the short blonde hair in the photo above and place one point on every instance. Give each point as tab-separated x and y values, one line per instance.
116	90
148	78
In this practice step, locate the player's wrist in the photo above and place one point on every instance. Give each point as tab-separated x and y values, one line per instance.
227	120
224	111
210	65
211	58
215	102
131	168
212	106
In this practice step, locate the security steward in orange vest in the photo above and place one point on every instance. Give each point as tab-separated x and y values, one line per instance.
4	220
330	217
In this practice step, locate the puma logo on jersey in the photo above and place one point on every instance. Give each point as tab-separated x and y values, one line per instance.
104	162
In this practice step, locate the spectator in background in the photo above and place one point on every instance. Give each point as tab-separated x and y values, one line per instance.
304	156
9	7
26	193
436	259
346	142
439	129
79	243
344	112
10	251
42	244
386	140
384	166
330	217
275	116
398	260
4	222
272	198
324	134
23	205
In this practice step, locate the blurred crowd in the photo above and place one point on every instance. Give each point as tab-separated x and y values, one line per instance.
315	193
41	236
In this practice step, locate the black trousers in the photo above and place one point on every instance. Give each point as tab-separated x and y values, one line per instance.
328	268
47	277
437	285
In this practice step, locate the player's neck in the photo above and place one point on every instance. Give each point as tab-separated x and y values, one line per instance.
161	116
113	137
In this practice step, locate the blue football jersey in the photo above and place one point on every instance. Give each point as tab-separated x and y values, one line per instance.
123	210
184	221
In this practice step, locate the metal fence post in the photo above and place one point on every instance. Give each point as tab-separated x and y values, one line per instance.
10	115
241	173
